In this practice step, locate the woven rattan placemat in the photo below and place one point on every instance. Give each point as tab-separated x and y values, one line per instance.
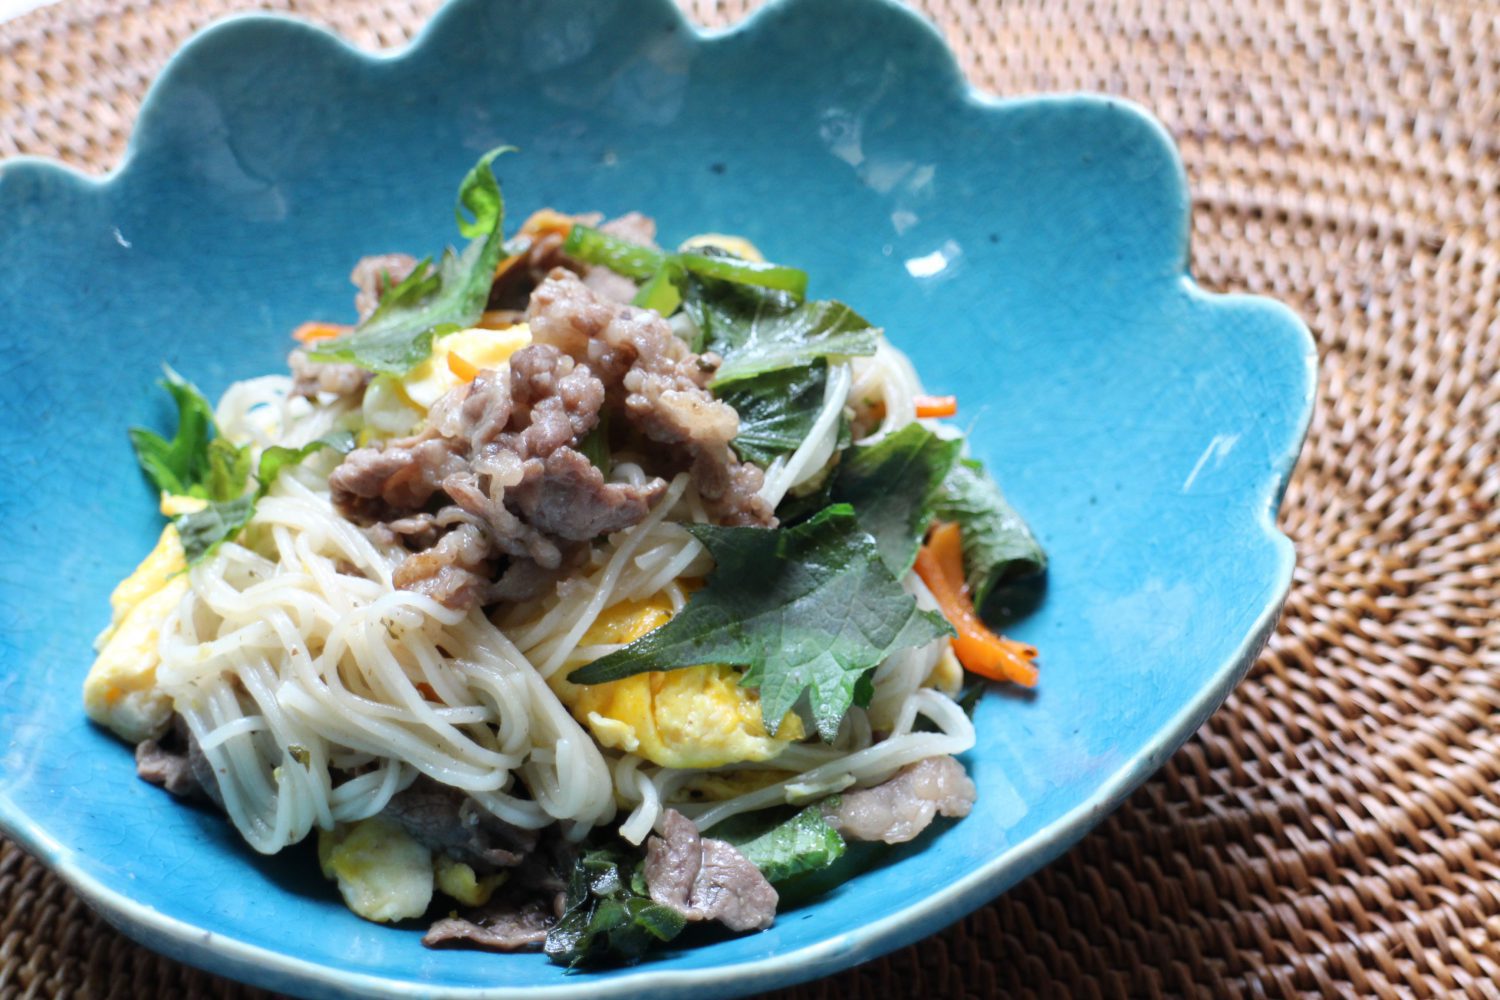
1335	828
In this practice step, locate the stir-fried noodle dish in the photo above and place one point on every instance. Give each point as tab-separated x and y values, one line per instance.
581	591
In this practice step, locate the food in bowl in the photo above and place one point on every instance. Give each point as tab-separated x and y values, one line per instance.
578	592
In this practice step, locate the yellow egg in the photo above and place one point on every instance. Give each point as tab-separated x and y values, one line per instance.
472	350
947	674
163	562
737	245
382	872
173	504
696	717
458	881
120	690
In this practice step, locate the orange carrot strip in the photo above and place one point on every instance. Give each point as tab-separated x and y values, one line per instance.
462	367
309	332
936	406
547	220
940	565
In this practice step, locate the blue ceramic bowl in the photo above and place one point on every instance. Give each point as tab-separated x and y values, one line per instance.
1029	254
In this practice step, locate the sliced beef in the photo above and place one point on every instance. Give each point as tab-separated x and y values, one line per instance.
178	764
516	502
706	879
659	385
171	769
493	495
455	571
398	479
374	276
633	227
519	914
525	580
510	921
898	809
309	377
609	285
566	496
557	399
544	253
445	820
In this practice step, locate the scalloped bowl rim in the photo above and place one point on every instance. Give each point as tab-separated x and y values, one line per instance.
213	950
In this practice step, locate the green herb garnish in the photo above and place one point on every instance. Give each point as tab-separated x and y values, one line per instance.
609	918
757	330
278	457
777	410
594	246
998	546
203	531
196	462
803	842
661	291
427	304
807	610
893	485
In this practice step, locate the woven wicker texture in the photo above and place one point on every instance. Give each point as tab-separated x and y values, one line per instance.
1335	828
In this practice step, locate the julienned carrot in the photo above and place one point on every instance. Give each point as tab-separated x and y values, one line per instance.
936	406
940	564
462	367
309	332
547	220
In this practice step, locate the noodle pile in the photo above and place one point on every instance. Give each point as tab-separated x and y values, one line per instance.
317	690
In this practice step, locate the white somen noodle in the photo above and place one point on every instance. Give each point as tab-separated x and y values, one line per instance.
317	690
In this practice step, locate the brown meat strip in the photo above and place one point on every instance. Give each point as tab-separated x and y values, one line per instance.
900	808
309	377
508	922
660	384
498	455
169	769
706	879
446	820
376	275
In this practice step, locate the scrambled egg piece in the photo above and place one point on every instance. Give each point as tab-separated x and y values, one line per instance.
120	690
467	351
737	245
947	674
458	880
382	872
695	717
172	505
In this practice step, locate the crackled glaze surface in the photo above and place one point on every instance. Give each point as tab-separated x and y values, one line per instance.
1030	255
